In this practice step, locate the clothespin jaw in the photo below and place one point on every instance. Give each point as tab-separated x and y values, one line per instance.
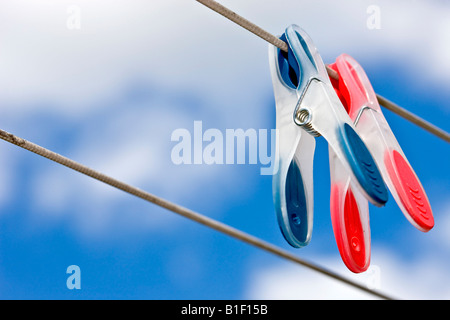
349	211
359	99
307	106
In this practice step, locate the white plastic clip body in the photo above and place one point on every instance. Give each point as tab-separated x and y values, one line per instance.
306	107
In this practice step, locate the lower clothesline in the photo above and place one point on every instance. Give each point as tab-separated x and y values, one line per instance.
187	213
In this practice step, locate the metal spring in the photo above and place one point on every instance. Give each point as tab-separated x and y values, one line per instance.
303	119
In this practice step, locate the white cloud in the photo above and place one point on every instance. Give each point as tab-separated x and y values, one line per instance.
183	43
294	283
422	279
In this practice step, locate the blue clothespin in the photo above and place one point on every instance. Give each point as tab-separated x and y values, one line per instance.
307	106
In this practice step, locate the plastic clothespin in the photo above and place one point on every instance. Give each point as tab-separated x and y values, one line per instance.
361	103
349	208
307	106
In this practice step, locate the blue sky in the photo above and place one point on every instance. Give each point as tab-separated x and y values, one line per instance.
110	94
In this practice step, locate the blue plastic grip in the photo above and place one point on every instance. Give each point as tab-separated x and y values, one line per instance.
296	207
363	165
288	66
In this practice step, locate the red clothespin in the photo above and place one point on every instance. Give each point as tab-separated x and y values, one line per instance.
349	210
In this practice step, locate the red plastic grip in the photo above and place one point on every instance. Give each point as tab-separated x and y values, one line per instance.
411	193
350	238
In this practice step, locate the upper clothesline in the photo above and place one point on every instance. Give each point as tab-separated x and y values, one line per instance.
258	31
